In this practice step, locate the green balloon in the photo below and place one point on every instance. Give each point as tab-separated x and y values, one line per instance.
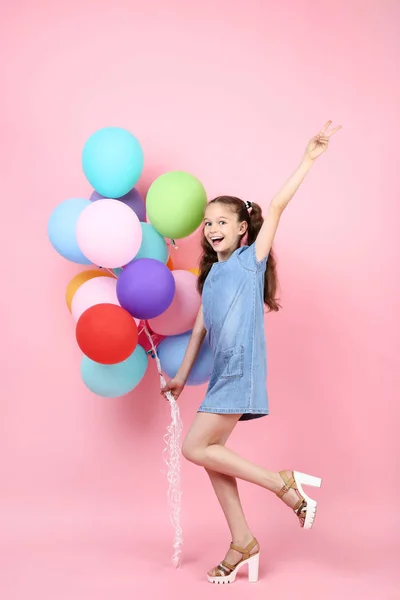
175	204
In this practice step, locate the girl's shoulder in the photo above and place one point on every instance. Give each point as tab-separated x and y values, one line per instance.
246	256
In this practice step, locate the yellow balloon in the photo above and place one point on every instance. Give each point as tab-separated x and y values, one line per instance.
80	278
195	272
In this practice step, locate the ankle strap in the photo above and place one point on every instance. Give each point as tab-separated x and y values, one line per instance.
289	483
245	551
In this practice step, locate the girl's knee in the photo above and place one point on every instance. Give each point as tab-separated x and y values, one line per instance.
192	452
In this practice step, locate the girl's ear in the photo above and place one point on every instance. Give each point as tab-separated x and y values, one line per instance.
243	228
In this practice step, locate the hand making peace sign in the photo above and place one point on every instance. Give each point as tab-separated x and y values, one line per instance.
318	144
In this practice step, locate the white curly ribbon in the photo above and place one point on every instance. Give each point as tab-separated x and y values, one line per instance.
171	452
172	458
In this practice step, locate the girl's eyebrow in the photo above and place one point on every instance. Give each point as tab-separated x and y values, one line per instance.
207	219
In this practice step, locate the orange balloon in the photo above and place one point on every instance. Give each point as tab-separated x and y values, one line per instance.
170	264
106	333
80	278
195	272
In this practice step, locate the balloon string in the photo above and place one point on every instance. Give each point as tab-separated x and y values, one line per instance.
172	458
172	243
109	271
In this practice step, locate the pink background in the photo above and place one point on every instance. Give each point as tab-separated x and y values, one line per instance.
230	91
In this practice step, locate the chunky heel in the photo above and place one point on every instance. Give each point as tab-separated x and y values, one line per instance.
254	563
306	507
226	573
303	479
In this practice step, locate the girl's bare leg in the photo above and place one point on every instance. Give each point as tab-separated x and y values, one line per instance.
202	446
226	490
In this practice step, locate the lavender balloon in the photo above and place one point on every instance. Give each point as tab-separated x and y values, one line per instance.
132	199
145	288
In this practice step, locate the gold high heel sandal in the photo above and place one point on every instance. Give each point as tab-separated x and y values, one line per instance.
227	573
306	507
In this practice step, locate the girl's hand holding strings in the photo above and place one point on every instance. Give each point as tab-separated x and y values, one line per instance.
175	386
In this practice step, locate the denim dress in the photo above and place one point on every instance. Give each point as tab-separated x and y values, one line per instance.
233	312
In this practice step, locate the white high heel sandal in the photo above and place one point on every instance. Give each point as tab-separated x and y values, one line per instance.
227	573
306	507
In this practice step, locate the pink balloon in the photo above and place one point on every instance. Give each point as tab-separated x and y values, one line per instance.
104	291
108	233
181	314
99	290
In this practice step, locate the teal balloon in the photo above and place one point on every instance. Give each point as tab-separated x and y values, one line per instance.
61	229
153	244
113	381
112	160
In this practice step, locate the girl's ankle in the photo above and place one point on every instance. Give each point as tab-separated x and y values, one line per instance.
243	540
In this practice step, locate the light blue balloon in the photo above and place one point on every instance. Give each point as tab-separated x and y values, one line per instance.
112	160
153	244
61	229
171	351
113	381
117	272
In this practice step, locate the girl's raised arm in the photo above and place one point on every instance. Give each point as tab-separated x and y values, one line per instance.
315	147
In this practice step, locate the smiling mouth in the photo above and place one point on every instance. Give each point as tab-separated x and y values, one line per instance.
215	241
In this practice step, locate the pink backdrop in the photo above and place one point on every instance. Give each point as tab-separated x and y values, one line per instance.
230	91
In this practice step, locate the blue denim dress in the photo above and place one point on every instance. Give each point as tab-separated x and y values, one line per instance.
233	312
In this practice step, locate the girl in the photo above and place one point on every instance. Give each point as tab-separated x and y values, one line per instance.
235	281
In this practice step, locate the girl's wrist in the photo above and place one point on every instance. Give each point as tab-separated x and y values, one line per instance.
180	378
307	162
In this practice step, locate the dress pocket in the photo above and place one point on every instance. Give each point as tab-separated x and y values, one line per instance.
232	363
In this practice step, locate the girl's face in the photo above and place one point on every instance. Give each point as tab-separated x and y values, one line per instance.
222	229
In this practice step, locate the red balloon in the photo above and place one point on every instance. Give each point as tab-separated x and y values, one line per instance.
106	333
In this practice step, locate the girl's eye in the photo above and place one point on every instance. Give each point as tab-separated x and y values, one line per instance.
208	224
222	222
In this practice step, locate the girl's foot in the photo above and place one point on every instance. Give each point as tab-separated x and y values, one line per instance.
236	557
293	495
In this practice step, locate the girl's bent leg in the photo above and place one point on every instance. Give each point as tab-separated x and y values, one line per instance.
201	446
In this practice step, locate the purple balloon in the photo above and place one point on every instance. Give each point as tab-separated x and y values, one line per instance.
132	199
145	288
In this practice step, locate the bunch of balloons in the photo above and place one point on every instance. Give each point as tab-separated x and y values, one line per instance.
131	285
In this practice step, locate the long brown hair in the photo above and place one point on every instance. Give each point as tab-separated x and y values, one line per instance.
254	220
